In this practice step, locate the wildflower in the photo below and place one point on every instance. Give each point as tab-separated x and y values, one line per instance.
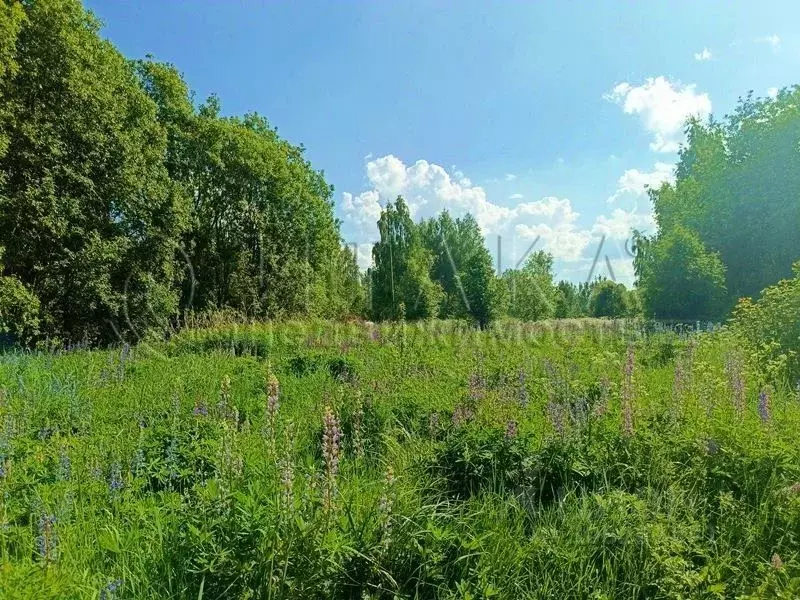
331	445
511	430
137	463
200	409
223	403
64	466
477	386
461	415
109	591
602	404
47	538
712	447
123	357
358	428
433	424
627	394
287	470
115	479
733	369
522	396
777	562
3	467
765	406
386	504
555	411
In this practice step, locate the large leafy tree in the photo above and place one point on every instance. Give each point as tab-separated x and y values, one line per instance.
89	216
400	281
262	236
679	278
531	291
462	266
738	190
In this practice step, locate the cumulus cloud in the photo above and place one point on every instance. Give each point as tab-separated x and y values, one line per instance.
634	183
703	55
429	188
550	223
663	107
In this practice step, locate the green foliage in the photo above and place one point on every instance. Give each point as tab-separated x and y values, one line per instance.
736	189
89	217
679	278
771	326
609	299
532	295
19	309
486	463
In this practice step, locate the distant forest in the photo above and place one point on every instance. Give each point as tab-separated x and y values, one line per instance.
125	203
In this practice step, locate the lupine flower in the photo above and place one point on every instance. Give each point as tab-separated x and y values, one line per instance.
733	369
331	445
3	469
511	430
712	447
200	409
109	591
602	403
115	479
386	505
137	462
477	386
272	388
765	406
45	433
224	401
287	469
47	539
64	467
523	396
777	562
358	428
461	415
433	424
555	411
627	394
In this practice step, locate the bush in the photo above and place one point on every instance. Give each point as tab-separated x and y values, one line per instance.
771	325
19	311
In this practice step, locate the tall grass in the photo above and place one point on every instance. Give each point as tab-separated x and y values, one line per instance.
577	459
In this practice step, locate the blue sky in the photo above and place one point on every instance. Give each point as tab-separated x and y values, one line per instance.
544	119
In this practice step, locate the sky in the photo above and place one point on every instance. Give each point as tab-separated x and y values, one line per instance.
546	120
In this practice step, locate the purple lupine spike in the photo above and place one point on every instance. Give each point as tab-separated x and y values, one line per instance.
331	446
511	430
523	395
115	483
47	538
765	406
109	591
734	371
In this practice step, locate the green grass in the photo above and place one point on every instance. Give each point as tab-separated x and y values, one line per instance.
696	502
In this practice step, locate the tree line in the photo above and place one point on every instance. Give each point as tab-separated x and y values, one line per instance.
441	268
124	202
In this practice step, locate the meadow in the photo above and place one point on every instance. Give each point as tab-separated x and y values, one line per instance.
559	459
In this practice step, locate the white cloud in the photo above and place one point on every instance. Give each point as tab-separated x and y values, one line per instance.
621	224
510	177
663	106
552	223
703	55
428	189
773	40
773	92
635	183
